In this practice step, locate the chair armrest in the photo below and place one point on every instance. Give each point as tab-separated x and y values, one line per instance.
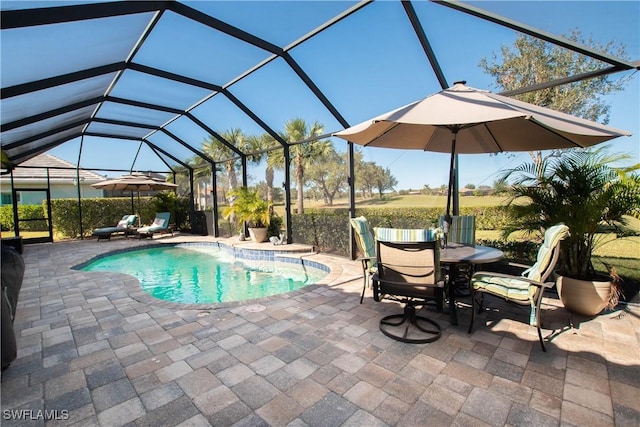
507	267
376	278
363	261
515	264
511	276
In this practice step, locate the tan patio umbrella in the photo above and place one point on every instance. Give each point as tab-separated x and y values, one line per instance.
462	119
135	182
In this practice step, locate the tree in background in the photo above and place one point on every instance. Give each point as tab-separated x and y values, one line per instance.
274	159
301	154
218	151
366	177
384	180
500	186
328	172
530	61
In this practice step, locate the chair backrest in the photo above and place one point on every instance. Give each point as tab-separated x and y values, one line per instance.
131	219
413	263
404	238
126	221
364	239
406	234
162	219
548	253
462	229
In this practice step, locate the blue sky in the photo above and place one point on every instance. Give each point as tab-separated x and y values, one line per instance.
367	65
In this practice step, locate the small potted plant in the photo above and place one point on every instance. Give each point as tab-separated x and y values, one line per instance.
583	190
248	207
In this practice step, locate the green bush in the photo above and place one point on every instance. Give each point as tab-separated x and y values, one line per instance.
275	225
328	229
96	213
523	252
24	212
6	218
176	205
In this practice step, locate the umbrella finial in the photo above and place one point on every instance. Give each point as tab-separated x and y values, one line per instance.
461	82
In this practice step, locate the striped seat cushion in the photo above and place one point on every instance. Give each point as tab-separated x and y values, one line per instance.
364	238
506	287
462	229
411	235
406	235
552	238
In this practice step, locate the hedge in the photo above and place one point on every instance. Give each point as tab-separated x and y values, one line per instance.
24	212
328	229
96	213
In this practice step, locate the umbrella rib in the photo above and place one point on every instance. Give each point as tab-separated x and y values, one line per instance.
383	133
553	131
495	141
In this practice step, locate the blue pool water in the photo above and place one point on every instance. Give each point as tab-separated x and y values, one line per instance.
205	274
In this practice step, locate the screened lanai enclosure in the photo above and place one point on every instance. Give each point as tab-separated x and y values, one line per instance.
206	92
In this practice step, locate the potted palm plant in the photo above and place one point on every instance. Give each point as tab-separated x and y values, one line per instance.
583	190
248	207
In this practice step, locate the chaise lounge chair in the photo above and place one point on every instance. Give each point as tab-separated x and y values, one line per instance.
160	225
125	226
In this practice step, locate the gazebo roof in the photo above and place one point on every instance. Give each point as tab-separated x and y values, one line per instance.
162	76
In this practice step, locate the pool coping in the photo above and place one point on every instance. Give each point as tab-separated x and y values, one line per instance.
302	252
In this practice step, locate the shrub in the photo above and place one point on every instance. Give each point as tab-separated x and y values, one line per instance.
96	213
28	212
178	207
328	228
523	252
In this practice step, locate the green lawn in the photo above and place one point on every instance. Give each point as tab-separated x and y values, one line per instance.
611	246
413	200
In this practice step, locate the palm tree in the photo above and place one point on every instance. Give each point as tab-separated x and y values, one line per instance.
295	130
218	151
580	189
259	143
298	130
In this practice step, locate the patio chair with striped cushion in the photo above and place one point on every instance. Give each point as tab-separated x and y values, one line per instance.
367	244
408	272
526	289
367	248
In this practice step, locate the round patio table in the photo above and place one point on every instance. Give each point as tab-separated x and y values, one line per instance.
455	254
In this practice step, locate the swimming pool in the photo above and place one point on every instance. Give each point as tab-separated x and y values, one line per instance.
194	274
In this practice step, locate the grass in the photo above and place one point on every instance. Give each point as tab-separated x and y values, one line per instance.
413	200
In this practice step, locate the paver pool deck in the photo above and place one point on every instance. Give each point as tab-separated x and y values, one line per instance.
93	349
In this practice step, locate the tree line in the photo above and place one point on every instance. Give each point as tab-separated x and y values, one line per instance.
318	169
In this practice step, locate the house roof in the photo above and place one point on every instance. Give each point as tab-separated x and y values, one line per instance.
59	170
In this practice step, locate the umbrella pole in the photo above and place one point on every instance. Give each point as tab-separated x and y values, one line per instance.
139	220
451	174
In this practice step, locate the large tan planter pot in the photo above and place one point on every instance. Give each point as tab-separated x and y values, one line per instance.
258	235
584	297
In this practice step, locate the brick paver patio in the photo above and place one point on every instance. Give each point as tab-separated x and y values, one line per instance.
96	350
